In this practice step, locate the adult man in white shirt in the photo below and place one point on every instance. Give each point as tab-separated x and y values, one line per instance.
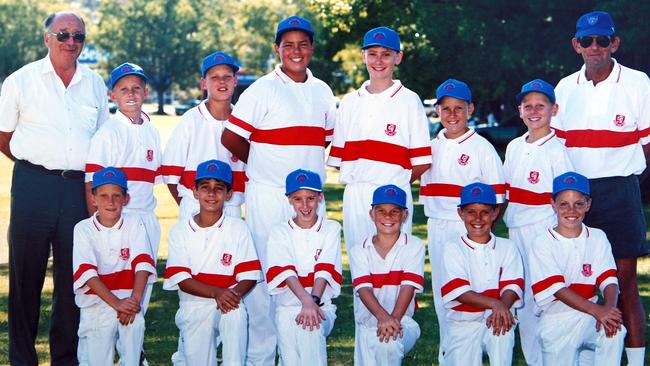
50	109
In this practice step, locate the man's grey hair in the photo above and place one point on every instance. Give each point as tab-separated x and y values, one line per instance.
50	19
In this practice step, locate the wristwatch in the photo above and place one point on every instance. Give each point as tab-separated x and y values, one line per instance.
317	300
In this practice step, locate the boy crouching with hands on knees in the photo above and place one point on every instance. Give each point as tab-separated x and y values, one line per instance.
112	266
387	270
567	264
304	256
212	263
482	284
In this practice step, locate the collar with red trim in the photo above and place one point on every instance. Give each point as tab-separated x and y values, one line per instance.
460	139
195	227
205	113
584	234
98	225
614	76
542	141
286	79
492	244
127	120
317	225
388	93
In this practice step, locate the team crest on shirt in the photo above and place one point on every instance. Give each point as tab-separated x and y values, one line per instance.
149	155
226	259
318	251
619	121
463	160
391	129
125	253
586	270
533	177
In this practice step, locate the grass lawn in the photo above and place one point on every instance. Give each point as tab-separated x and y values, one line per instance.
161	334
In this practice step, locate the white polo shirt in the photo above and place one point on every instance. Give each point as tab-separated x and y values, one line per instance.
220	255
529	169
488	269
456	163
195	139
403	266
134	149
378	138
52	125
306	254
605	126
287	125
581	264
114	254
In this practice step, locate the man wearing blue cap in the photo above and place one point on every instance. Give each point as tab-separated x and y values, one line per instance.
197	137
605	121
112	264
381	135
280	123
50	110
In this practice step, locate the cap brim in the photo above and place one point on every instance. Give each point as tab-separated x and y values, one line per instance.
278	36
380	45
594	32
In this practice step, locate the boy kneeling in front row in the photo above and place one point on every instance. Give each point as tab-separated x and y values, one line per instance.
567	264
483	281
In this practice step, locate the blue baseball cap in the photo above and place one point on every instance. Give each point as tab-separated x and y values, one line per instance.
454	88
389	194
292	23
303	179
217	58
539	86
214	169
109	175
382	36
571	181
596	23
477	193
125	69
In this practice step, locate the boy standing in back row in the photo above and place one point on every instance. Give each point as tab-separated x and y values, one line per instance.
381	136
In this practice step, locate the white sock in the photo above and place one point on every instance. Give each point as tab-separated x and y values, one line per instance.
635	356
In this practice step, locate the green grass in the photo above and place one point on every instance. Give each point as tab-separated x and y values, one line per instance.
161	334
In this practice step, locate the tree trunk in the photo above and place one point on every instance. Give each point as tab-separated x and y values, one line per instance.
161	101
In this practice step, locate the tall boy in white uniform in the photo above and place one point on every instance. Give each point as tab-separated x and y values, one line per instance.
280	123
112	265
381	136
197	138
212	263
567	264
304	273
483	278
532	161
387	271
460	157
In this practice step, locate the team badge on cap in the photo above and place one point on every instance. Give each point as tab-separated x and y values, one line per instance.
571	181
383	37
214	169
538	86
294	23
477	193
109	175
126	69
455	89
596	23
389	194
303	179
217	58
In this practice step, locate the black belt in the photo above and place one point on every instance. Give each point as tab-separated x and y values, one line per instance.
67	174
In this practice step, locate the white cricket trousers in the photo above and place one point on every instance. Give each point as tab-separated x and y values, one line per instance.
266	206
368	351
100	332
440	232
300	347
564	336
467	340
524	237
199	324
357	201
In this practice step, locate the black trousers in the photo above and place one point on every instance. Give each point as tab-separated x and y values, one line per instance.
44	210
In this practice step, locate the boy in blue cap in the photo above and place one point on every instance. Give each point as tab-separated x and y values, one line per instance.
532	161
460	157
483	282
304	273
213	265
567	264
112	265
387	271
381	136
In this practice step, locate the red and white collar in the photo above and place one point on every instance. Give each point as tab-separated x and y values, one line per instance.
584	234
541	141
614	76
100	227
317	225
126	120
401	241
388	93
473	245
286	79
205	113
195	227
460	139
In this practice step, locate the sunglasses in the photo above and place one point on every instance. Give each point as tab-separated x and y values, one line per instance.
63	36
601	41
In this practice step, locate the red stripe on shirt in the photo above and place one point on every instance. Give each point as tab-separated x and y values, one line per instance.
453	285
274	271
142	258
492	293
441	190
82	269
519	282
295	136
526	197
216	280
499	188
331	269
242	267
412	277
122	280
91	168
239	123
605	275
587	291
174	270
546	283
139	174
392	278
336	151
329	132
239	180
420	152
644	133
171	170
377	151
600	138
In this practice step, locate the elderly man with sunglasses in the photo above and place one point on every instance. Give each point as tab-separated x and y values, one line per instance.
49	111
604	119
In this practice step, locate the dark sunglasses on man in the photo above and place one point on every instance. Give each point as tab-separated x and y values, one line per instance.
601	41
63	36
